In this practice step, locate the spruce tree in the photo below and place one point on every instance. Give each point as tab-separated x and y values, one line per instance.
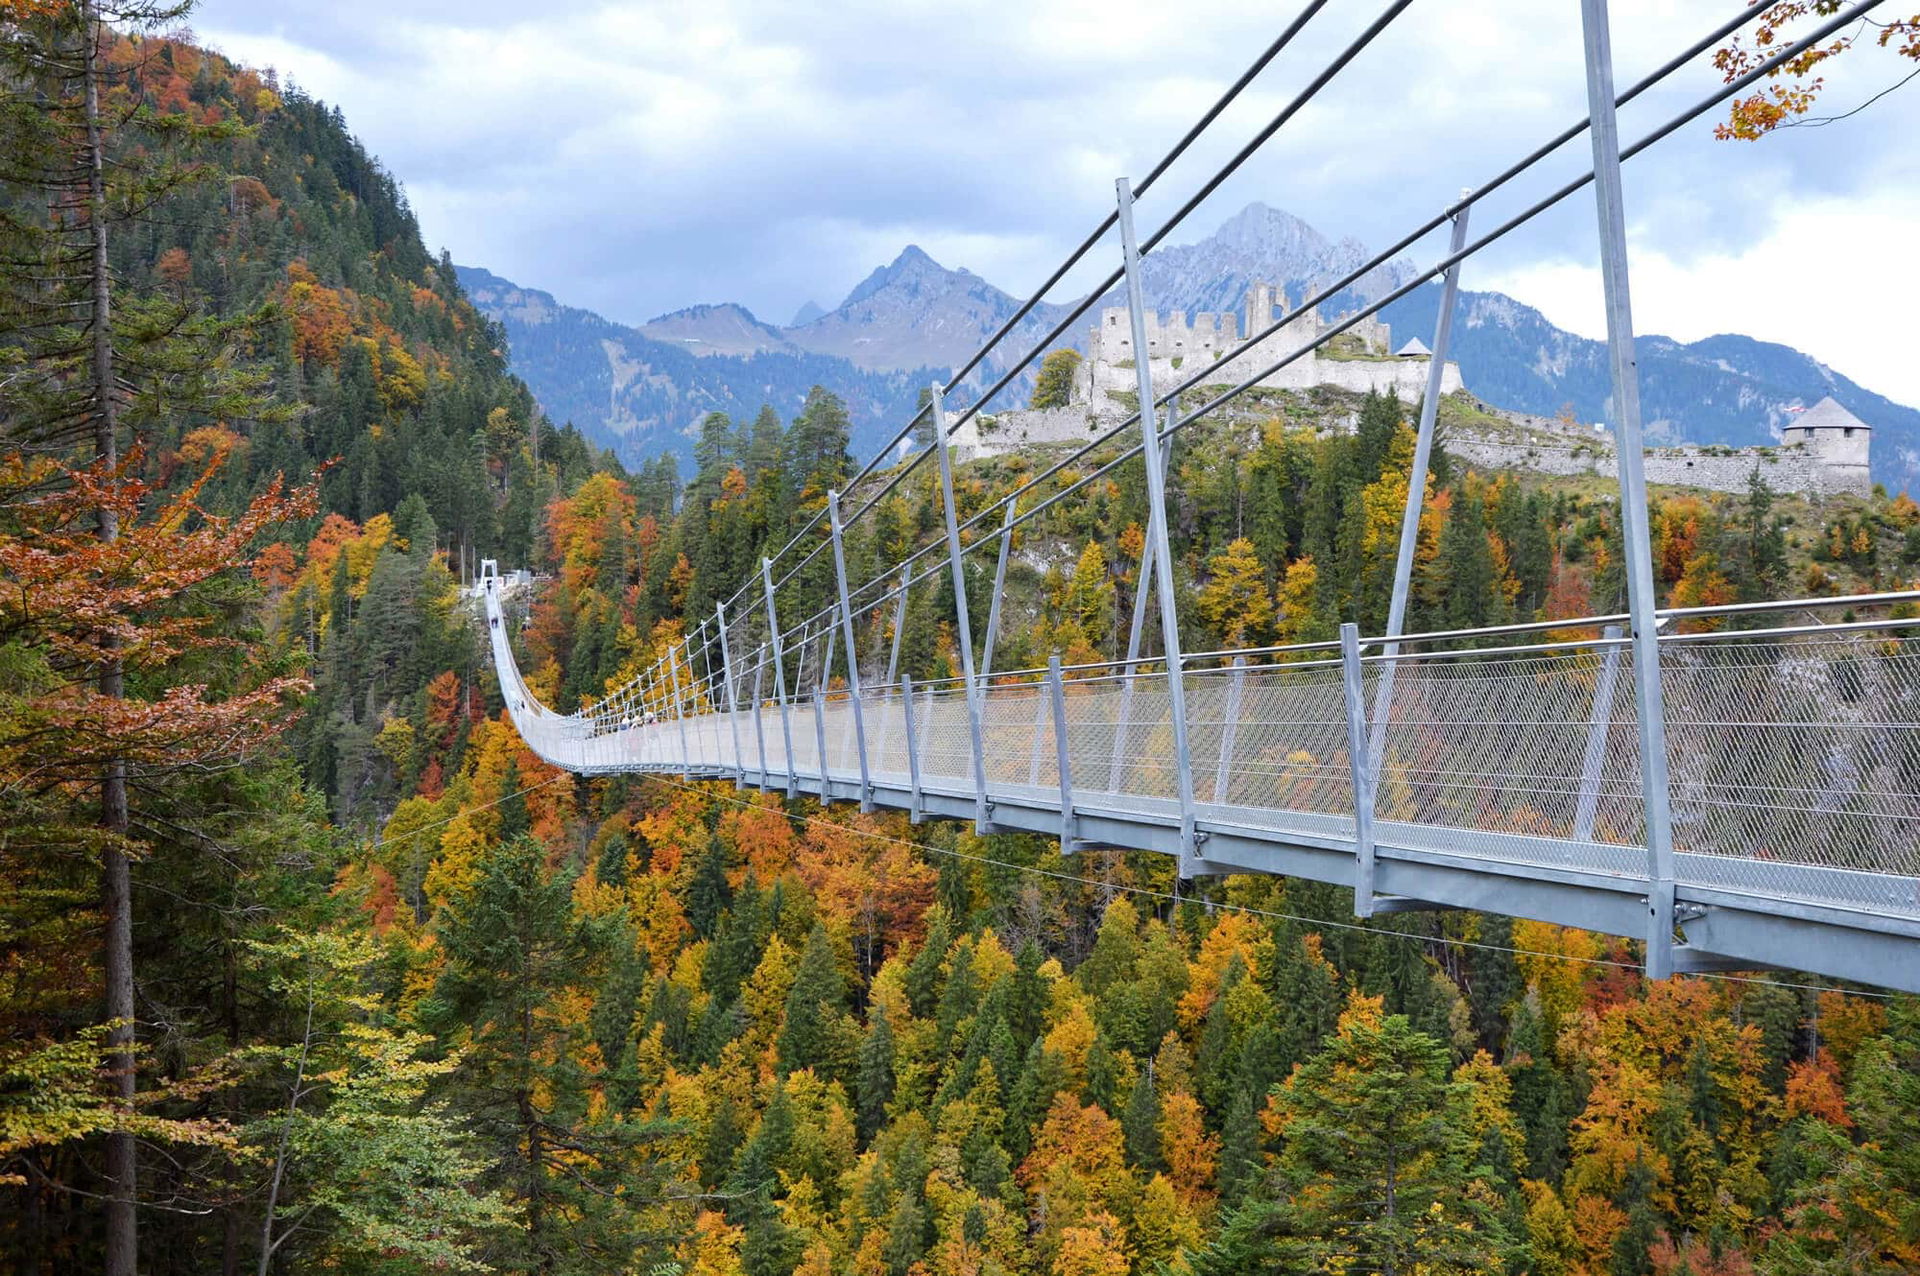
1026	1011
1466	567
1103	1079
513	949
810	1034
1493	977
1140	1123
708	893
1542	1095
923	972
1240	1151
1765	576
875	1083
1377	1168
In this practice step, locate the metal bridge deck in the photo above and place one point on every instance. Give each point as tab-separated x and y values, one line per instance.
1505	781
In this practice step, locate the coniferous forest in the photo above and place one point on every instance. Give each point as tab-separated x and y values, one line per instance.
308	964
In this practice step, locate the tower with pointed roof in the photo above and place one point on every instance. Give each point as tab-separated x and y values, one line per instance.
1840	441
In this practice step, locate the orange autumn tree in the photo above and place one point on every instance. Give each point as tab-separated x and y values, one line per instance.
1793	87
74	603
1076	1173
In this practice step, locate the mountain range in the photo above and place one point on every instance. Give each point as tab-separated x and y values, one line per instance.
643	389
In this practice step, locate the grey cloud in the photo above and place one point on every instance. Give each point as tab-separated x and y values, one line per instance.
641	157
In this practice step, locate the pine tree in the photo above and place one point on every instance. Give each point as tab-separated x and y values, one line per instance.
816	448
875	1082
810	1034
94	366
1377	1167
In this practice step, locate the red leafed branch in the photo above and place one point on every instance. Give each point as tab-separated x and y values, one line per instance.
78	596
77	602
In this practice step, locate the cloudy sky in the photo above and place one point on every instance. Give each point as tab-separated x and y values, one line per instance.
636	156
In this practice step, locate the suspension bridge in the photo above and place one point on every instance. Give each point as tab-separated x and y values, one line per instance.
1736	787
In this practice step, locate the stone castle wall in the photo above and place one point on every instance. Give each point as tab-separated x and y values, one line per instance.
1818	462
1543	447
1795	469
1107	383
1405	377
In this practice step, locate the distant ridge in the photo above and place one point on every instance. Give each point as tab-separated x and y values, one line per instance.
643	395
643	389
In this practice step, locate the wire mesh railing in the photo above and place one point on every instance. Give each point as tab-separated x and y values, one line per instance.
1794	751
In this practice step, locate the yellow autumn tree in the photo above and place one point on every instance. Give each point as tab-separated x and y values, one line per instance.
1189	1151
1301	618
1089	596
1234	600
1096	1247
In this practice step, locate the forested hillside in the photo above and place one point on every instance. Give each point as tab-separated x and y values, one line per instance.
346	980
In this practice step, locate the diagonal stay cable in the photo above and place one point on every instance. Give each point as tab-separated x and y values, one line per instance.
1179	148
1759	71
1513	170
1099	232
1220	175
1570	188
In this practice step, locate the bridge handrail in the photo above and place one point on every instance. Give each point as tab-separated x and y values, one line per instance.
1721	610
612	712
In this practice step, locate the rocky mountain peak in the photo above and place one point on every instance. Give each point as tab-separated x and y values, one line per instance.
912	272
1261	243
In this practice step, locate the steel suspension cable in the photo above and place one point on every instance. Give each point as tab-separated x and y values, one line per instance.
1439	268
1179	148
1220	175
1299	101
1720	95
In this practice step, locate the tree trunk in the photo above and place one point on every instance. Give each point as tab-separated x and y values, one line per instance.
536	1154
122	1242
268	1242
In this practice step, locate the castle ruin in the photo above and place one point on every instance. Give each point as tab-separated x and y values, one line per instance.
1360	359
1822	452
1106	386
